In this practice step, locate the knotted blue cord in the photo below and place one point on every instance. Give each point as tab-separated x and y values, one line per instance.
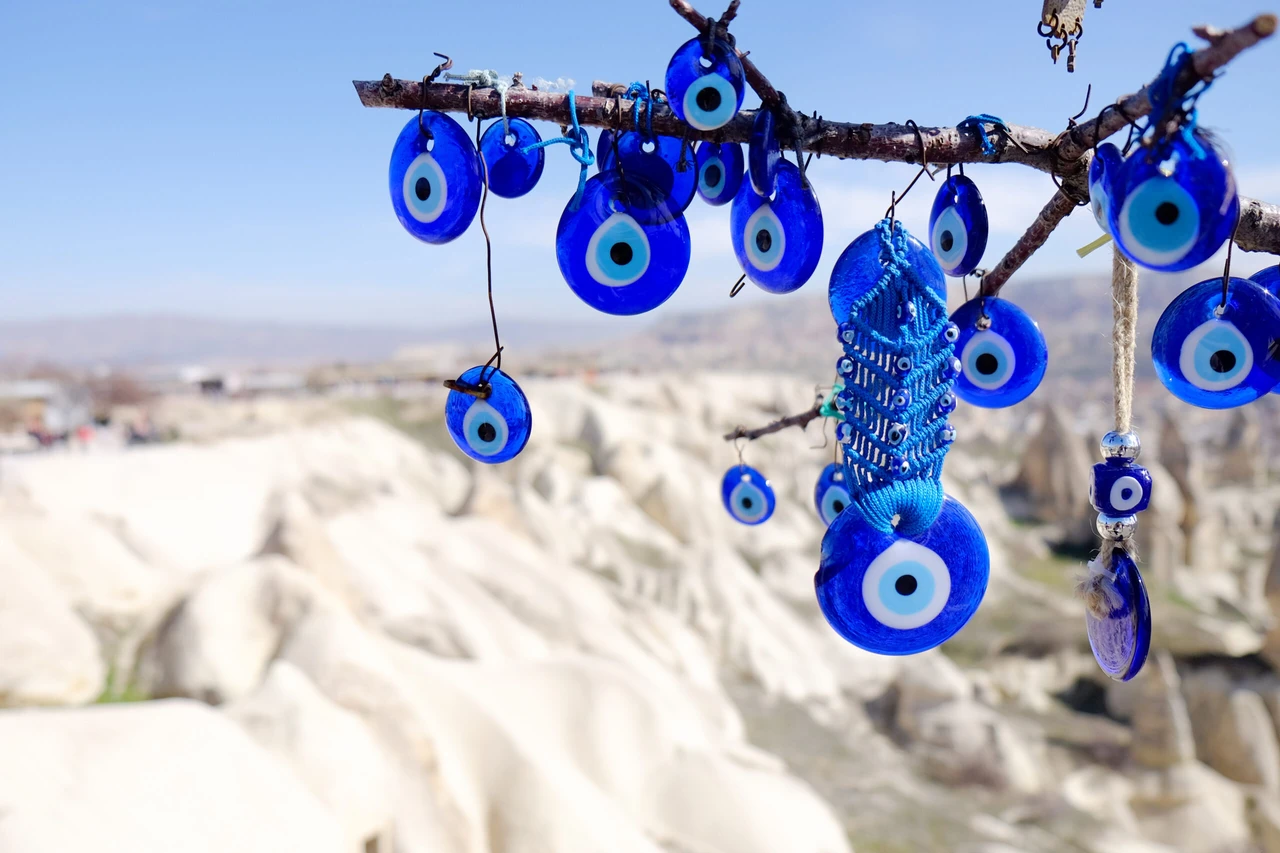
1161	95
901	316
639	93
979	123
579	146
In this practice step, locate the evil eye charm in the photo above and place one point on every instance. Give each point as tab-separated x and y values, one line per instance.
612	260
830	495
900	399
434	178
896	434
958	226
858	270
1119	487
1268	278
763	154
720	170
656	164
947	403
705	88
1002	364
490	430
844	432
900	595
1173	209
747	495
778	242
1217	356
947	435
1120	635
512	173
1102	170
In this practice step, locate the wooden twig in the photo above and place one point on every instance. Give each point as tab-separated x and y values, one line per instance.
1058	208
801	420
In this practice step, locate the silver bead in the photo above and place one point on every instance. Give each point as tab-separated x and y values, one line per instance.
1119	528
1120	445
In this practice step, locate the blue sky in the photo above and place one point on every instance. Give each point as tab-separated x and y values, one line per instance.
212	158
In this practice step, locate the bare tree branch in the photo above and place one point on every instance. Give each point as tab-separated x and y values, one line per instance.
801	420
1058	209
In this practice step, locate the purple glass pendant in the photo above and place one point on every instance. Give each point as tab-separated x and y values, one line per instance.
434	178
512	172
705	86
655	161
1118	618
720	170
778	241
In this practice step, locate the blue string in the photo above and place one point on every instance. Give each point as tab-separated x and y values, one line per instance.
1161	95
979	123
579	146
639	93
885	327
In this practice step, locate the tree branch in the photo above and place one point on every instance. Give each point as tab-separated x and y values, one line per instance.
1058	209
801	420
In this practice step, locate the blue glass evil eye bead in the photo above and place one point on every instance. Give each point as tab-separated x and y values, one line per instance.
612	259
747	495
1120	632
958	226
512	173
489	430
858	270
1119	487
1001	364
830	495
1102	171
899	595
1218	357
719	171
705	88
1172	210
1268	279
778	242
656	162
763	153
434	178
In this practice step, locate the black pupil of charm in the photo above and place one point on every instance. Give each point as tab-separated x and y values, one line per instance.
905	585
1222	361
987	364
1167	213
946	241
1125	494
621	253
713	176
708	99
746	503
486	432
838	506
764	240
422	189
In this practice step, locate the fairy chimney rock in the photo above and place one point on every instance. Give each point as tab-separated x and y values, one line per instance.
1053	477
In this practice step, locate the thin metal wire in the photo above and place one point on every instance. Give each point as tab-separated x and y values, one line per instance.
1226	267
738	285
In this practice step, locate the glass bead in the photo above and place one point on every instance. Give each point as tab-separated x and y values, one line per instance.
1120	445
900	595
1215	357
611	259
705	89
747	495
1002	364
763	154
656	162
1102	170
951	333
1119	487
1121	639
844	432
958	226
947	403
844	367
901	399
829	495
845	333
1268	278
947	435
778	242
489	430
858	270
1175	205
512	173
720	171
434	178
896	434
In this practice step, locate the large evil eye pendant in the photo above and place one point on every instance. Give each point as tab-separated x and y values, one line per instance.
899	595
434	178
493	429
1173	207
747	495
1218	356
1102	171
830	495
1002	358
763	154
858	269
719	171
958	226
705	88
778	242
656	163
512	172
1121	638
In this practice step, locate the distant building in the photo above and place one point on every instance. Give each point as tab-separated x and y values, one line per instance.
46	405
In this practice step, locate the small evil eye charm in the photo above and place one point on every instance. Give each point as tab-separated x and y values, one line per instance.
720	171
898	465
512	172
900	399
1218	356
896	434
947	435
434	178
899	595
1002	363
951	333
830	495
763	154
947	403
844	432
1173	209
845	333
1118	618
613	261
705	87
1120	487
656	164
747	495
493	429
958	226
778	242
1102	170
858	269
